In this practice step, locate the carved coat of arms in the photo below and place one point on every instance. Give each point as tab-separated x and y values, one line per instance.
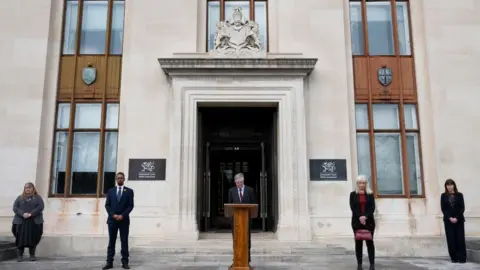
385	76
237	37
89	75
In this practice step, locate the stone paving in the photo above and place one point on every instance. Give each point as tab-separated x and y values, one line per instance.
320	262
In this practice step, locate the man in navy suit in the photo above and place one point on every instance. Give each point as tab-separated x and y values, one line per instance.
119	204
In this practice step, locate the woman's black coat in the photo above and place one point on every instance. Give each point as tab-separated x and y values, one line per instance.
357	211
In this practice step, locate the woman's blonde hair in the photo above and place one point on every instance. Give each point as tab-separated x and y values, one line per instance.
363	178
34	193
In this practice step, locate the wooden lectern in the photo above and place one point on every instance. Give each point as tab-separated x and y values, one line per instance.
241	214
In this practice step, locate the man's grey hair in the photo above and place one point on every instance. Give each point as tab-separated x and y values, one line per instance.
238	177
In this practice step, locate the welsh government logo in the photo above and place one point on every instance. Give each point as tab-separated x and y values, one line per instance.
329	167
148	166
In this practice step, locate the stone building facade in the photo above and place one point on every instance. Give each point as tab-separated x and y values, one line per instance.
389	87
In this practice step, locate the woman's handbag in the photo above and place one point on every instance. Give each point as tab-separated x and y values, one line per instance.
363	235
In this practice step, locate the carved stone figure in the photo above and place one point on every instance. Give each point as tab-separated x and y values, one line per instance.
237	37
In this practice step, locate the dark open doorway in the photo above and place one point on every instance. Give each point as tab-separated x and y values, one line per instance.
233	140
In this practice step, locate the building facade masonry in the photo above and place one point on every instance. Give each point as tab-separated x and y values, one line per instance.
301	96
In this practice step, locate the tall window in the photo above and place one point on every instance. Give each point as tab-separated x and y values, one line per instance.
85	150
220	10
99	20
393	138
388	133
378	20
86	129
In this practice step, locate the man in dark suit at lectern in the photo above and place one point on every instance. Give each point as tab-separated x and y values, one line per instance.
242	194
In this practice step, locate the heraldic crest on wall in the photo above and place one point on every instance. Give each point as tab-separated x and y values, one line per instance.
385	76
237	37
89	75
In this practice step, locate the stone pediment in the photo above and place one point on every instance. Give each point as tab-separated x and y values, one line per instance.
271	65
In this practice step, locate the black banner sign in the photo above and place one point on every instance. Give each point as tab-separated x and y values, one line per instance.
147	169
328	170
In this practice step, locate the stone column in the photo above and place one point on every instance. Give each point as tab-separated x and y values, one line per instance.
180	223
294	220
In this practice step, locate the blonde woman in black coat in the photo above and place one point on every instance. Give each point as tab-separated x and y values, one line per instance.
362	204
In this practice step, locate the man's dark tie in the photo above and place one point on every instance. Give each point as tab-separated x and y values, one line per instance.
119	194
241	195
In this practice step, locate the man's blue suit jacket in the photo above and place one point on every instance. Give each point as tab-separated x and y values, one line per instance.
122	207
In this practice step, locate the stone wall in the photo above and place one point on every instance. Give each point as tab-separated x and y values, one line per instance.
446	42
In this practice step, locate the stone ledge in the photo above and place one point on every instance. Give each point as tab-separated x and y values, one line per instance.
473	250
280	65
7	250
94	245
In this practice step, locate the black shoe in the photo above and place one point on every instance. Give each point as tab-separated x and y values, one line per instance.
359	267
462	261
32	257
107	266
125	266
19	256
372	267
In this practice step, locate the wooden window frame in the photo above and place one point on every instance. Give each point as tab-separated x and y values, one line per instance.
78	31
401	102
104	101
393	5
402	130
252	15
71	130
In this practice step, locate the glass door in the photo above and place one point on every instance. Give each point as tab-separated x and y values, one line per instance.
263	191
207	189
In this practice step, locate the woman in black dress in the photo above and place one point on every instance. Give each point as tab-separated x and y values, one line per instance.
453	206
362	204
27	225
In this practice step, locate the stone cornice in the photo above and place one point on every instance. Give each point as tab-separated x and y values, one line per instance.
242	66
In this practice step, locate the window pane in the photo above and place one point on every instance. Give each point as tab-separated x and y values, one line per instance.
356	28
385	116
245	5
388	164
213	18
110	160
380	33
414	171
85	162
70	28
59	162
112	116
410	112
363	155
88	115
403	28
94	27
261	19
63	115
116	37
361	116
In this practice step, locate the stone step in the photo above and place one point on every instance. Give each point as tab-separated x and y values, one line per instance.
227	251
473	250
227	235
7	250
